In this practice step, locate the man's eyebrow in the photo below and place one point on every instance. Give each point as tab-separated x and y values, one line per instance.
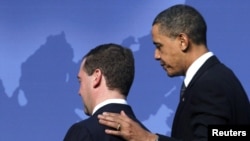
157	44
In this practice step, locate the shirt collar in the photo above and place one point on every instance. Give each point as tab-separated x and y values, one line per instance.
108	101
195	66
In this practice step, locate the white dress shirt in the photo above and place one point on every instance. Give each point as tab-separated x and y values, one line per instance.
117	101
195	66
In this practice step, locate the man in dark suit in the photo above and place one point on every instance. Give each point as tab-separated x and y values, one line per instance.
212	94
105	76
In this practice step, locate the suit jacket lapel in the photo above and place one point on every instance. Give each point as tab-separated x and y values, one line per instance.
209	63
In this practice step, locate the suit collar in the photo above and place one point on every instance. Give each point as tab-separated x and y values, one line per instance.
115	108
108	101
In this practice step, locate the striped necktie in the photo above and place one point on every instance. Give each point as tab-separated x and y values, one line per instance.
183	88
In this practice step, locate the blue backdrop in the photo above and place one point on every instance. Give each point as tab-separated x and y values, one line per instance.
42	43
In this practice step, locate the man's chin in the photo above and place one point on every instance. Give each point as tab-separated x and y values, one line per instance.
171	75
87	112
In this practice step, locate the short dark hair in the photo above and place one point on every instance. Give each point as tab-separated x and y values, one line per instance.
116	63
182	19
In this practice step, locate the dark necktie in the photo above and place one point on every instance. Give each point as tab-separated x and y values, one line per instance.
183	88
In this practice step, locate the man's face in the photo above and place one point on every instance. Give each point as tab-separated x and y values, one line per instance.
168	52
85	89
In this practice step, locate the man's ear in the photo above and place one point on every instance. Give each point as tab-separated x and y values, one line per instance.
184	41
97	78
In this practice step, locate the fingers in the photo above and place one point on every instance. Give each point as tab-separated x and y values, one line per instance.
123	126
112	119
123	114
113	132
111	114
109	119
107	122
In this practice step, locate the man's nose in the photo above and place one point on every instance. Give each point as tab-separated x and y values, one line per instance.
157	55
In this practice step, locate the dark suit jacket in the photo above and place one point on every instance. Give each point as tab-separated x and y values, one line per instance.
214	96
90	129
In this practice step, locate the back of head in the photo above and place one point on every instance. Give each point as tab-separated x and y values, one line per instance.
115	62
182	19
